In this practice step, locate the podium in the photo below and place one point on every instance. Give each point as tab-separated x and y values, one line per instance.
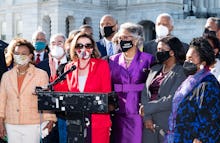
77	107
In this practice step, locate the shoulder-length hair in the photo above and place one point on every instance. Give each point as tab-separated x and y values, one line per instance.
18	42
73	55
176	46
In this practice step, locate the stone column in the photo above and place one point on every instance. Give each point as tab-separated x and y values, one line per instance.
9	24
200	6
211	5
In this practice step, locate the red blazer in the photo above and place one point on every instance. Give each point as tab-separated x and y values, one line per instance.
98	80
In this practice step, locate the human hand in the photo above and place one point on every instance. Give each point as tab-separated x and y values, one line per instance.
2	130
49	126
141	110
149	125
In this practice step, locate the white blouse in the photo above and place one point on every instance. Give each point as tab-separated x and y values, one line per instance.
82	82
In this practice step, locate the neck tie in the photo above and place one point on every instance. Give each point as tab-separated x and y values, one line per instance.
38	59
58	63
110	50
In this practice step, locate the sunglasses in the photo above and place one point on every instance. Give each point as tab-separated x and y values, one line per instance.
87	46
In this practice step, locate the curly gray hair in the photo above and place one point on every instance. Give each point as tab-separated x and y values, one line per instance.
136	31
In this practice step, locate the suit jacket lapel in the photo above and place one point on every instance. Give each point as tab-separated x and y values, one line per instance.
29	75
72	78
90	74
104	47
152	74
14	77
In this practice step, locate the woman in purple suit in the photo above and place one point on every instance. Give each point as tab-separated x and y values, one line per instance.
129	71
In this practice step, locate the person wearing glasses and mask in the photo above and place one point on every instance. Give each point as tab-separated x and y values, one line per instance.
215	43
19	115
108	28
195	115
92	74
129	71
162	82
40	45
163	27
57	53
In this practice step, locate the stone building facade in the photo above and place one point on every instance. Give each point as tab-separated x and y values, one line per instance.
20	18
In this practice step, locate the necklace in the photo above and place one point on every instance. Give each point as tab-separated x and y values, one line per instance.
128	60
21	73
165	72
83	68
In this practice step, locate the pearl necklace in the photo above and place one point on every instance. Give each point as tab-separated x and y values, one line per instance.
128	60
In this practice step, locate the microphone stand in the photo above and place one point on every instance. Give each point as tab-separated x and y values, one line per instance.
60	78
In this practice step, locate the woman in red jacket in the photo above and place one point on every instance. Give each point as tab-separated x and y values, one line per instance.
91	75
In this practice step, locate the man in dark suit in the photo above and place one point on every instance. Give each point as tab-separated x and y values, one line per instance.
3	67
108	28
58	57
40	44
164	26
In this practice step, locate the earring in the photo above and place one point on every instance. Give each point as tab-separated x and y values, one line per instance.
201	66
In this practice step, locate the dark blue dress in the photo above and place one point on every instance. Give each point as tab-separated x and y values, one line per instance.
198	115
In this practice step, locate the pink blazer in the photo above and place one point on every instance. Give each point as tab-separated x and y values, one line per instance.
21	108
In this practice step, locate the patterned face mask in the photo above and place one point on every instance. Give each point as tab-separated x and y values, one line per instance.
83	53
21	59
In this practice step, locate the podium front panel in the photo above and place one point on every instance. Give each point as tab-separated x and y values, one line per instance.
73	102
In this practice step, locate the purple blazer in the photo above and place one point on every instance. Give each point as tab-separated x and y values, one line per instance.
128	84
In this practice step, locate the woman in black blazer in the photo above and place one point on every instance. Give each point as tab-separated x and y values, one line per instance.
162	82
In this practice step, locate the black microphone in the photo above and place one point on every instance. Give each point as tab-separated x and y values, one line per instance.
61	77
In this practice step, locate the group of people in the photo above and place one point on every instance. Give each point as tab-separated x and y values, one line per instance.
168	93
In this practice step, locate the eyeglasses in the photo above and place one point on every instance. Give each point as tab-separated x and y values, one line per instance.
125	37
59	43
87	46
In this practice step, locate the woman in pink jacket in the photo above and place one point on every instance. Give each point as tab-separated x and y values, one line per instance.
19	116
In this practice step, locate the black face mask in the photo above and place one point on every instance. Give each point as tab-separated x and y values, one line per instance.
107	31
189	68
126	45
162	56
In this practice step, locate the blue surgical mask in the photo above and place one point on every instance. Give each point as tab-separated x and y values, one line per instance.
39	45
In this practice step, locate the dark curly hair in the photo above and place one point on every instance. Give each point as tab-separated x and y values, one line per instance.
176	46
204	49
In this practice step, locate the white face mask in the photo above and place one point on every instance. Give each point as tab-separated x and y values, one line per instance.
83	54
57	52
162	31
21	59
